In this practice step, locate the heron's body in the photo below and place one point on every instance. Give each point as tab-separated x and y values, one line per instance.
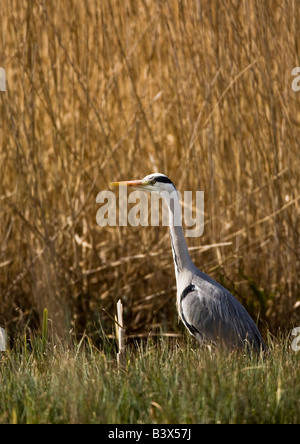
209	311
213	315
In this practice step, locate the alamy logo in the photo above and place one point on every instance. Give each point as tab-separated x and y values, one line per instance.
133	209
296	80
2	80
2	340
296	341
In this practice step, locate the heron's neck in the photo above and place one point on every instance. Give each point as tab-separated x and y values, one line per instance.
181	254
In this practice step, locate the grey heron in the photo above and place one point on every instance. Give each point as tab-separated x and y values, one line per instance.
209	311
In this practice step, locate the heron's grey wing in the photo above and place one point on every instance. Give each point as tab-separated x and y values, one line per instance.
212	314
203	317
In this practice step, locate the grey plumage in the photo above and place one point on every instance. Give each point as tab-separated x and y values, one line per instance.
209	311
213	315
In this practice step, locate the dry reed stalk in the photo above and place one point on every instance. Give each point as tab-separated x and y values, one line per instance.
121	356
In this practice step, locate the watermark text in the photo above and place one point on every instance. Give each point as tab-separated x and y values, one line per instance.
2	340
296	341
296	80
2	80
133	209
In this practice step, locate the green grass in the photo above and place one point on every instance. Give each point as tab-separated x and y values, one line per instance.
166	381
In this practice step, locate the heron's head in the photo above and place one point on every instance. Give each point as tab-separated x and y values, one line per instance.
154	183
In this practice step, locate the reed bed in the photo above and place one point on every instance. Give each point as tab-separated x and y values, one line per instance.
113	90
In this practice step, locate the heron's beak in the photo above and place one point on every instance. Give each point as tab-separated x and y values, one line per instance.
138	184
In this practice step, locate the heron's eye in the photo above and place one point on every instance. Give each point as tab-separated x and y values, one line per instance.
153	182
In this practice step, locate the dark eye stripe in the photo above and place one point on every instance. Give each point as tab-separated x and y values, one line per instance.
163	179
